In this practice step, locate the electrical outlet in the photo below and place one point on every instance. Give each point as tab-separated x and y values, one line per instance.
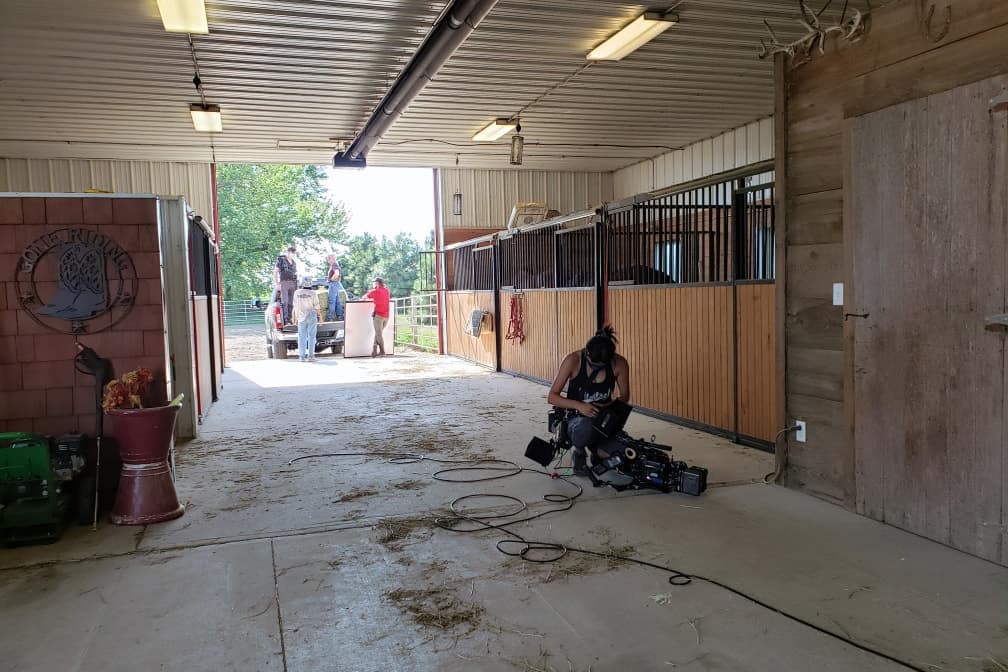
800	433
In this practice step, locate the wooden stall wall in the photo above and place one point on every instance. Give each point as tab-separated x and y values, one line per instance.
678	341
576	320
556	322
899	60
458	308
757	362
536	357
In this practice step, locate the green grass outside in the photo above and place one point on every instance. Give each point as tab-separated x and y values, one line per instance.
426	337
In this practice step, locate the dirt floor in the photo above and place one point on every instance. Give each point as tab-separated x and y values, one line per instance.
245	343
319	535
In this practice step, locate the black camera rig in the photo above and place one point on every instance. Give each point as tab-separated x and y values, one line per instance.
647	465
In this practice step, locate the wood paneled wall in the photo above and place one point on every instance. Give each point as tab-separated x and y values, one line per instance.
537	355
556	322
576	320
928	384
895	62
458	308
757	363
678	341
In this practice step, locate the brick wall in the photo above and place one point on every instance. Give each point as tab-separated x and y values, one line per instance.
39	389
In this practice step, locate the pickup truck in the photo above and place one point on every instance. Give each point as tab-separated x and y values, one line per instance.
281	338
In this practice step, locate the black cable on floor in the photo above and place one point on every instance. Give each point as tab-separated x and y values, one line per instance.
555	552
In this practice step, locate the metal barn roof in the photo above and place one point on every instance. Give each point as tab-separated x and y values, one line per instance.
103	79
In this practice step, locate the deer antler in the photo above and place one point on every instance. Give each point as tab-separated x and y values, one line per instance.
800	50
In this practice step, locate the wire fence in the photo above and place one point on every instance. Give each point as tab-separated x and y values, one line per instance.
416	321
242	313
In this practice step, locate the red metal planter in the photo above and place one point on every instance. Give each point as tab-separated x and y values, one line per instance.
146	491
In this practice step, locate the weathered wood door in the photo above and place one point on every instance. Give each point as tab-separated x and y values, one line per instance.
925	221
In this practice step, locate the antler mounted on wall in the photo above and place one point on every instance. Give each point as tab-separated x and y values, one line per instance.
800	51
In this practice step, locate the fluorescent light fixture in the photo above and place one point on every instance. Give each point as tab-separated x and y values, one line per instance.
635	34
496	129
183	16
206	118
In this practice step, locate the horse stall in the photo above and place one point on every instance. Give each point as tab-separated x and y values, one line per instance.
691	296
685	276
470	295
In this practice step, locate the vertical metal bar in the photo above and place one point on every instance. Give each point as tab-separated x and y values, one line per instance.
709	228
690	226
738	224
714	217
601	265
556	259
498	336
684	236
726	242
773	235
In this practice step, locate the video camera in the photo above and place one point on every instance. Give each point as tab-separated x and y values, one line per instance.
647	464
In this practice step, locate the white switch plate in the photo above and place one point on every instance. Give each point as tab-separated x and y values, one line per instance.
837	293
800	433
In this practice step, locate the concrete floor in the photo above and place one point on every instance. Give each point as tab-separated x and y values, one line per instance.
332	564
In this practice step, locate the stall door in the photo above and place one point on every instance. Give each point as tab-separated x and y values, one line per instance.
925	220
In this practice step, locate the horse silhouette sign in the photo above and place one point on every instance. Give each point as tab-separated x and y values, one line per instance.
76	281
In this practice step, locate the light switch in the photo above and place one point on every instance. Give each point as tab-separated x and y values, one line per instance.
837	293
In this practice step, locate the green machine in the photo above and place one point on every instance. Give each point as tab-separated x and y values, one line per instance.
40	483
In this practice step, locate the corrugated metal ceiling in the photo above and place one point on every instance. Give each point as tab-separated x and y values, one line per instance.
102	79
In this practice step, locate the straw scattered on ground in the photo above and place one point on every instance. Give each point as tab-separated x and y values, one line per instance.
355	494
436	607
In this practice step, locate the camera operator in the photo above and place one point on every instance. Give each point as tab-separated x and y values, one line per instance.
591	376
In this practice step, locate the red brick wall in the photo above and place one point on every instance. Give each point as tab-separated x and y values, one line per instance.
39	389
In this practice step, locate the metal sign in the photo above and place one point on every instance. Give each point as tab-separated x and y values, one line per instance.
76	281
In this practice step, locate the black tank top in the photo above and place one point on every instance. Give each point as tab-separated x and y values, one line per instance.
582	388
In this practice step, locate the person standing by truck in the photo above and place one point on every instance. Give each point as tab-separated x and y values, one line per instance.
380	316
285	277
335	286
307	313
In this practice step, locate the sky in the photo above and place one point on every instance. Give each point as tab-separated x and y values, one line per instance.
385	201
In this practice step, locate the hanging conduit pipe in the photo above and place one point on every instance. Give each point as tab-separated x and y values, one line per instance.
456	23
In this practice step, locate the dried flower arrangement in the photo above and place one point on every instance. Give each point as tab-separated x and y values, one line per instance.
128	391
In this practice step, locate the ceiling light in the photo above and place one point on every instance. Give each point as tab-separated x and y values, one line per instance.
638	32
496	129
517	145
183	16
206	118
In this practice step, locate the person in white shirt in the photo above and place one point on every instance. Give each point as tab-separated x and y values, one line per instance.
307	313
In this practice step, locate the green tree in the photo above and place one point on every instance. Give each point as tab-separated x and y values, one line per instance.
397	260
359	265
263	208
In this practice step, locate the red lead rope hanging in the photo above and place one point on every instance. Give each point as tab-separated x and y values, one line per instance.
516	330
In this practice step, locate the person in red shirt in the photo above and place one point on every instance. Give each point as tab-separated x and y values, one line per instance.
380	296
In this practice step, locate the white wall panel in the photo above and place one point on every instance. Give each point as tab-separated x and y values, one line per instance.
733	149
191	180
489	195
